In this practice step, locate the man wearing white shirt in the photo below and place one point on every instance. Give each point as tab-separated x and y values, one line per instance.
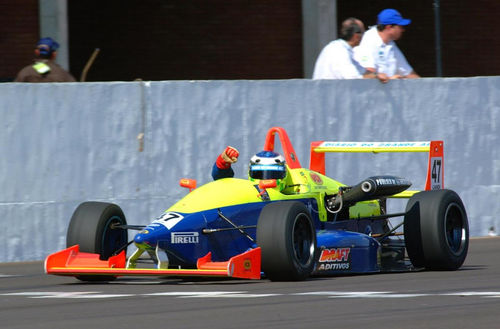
336	60
379	54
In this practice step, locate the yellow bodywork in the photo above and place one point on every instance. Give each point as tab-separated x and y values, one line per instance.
300	184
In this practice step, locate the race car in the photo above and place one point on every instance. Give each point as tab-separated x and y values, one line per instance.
312	225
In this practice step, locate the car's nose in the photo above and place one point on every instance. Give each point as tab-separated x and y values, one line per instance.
150	236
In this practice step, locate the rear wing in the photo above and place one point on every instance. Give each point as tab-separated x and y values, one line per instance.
435	168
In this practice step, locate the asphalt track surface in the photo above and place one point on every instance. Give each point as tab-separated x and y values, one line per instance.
467	298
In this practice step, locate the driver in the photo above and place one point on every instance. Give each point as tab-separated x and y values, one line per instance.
263	165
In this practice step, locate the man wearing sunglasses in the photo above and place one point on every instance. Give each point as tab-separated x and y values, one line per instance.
379	54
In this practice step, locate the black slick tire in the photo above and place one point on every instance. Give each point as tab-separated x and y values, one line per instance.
287	237
436	230
91	227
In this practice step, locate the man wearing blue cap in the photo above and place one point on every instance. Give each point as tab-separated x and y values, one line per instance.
379	54
44	68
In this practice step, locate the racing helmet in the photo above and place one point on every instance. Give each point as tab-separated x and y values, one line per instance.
268	165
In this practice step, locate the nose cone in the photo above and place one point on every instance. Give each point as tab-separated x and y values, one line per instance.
142	238
150	236
178	234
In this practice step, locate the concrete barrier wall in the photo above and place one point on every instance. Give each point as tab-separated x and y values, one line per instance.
62	144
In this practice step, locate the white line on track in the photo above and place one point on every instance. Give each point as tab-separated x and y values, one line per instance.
246	294
494	294
362	294
66	294
390	294
212	294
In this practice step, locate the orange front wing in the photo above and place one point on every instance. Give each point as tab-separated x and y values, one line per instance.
72	262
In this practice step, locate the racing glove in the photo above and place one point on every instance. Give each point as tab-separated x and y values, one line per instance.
226	158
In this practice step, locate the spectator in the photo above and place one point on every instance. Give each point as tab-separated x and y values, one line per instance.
44	68
379	54
336	60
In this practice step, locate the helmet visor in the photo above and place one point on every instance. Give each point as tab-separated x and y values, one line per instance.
267	171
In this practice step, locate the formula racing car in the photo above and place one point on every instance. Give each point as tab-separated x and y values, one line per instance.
251	229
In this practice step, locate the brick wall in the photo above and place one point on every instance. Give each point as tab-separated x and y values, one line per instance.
238	39
470	33
196	39
18	35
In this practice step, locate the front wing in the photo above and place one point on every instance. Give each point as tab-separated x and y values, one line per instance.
72	262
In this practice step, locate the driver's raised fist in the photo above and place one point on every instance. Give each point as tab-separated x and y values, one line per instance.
228	157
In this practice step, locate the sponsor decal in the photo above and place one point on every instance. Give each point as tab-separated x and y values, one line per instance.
184	237
334	267
402	144
168	219
306	181
339	144
391	181
316	178
375	144
335	259
247	264
268	167
319	188
335	255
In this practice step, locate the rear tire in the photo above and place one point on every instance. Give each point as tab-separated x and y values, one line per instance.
436	230
90	228
287	237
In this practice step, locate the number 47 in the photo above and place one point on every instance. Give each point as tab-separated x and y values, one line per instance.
436	170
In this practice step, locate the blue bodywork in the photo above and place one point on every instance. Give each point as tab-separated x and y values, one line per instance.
182	237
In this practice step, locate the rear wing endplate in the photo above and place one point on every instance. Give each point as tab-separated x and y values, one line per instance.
435	168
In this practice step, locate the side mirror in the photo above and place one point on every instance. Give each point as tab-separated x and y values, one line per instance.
267	183
188	183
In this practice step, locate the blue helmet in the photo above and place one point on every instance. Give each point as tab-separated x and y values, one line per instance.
268	165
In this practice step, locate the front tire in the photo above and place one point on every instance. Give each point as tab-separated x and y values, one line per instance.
91	227
287	237
436	230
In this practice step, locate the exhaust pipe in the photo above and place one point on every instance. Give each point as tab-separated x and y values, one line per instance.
369	189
